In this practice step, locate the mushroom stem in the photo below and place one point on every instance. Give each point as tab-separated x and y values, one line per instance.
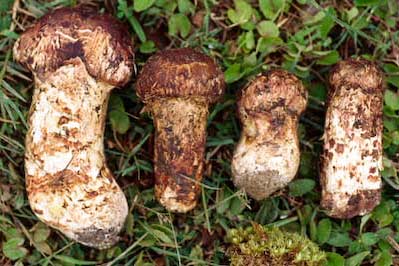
352	158
261	164
267	156
68	183
180	125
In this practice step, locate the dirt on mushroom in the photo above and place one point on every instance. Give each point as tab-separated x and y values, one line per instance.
77	56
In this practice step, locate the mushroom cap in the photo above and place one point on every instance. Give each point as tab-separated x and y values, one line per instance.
357	72
100	40
276	90
180	72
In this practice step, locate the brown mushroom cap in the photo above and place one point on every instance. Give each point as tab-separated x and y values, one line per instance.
101	42
276	90
358	72
180	73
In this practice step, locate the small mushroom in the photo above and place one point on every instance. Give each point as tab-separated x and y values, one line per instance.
352	158
267	156
77	56
177	87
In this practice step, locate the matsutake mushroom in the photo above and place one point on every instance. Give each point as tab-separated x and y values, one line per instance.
267	156
177	87
77	56
352	158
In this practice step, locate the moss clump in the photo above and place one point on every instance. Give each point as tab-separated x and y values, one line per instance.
261	246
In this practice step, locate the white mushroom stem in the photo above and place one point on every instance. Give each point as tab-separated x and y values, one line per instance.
266	158
69	185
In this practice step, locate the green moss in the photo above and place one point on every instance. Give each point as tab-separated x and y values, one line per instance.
257	245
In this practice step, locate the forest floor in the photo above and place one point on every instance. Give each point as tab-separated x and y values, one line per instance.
305	37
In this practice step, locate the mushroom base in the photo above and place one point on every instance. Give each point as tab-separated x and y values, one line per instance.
180	125
346	206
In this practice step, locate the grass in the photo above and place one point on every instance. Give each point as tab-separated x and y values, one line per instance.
305	37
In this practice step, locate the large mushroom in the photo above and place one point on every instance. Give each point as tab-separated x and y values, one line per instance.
177	87
267	156
352	158
77	56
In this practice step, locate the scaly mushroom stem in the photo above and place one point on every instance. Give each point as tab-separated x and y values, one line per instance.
69	185
267	155
352	158
179	150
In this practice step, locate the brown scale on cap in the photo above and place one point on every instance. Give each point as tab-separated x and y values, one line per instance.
180	73
359	72
352	158
178	85
100	41
77	56
267	155
273	92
